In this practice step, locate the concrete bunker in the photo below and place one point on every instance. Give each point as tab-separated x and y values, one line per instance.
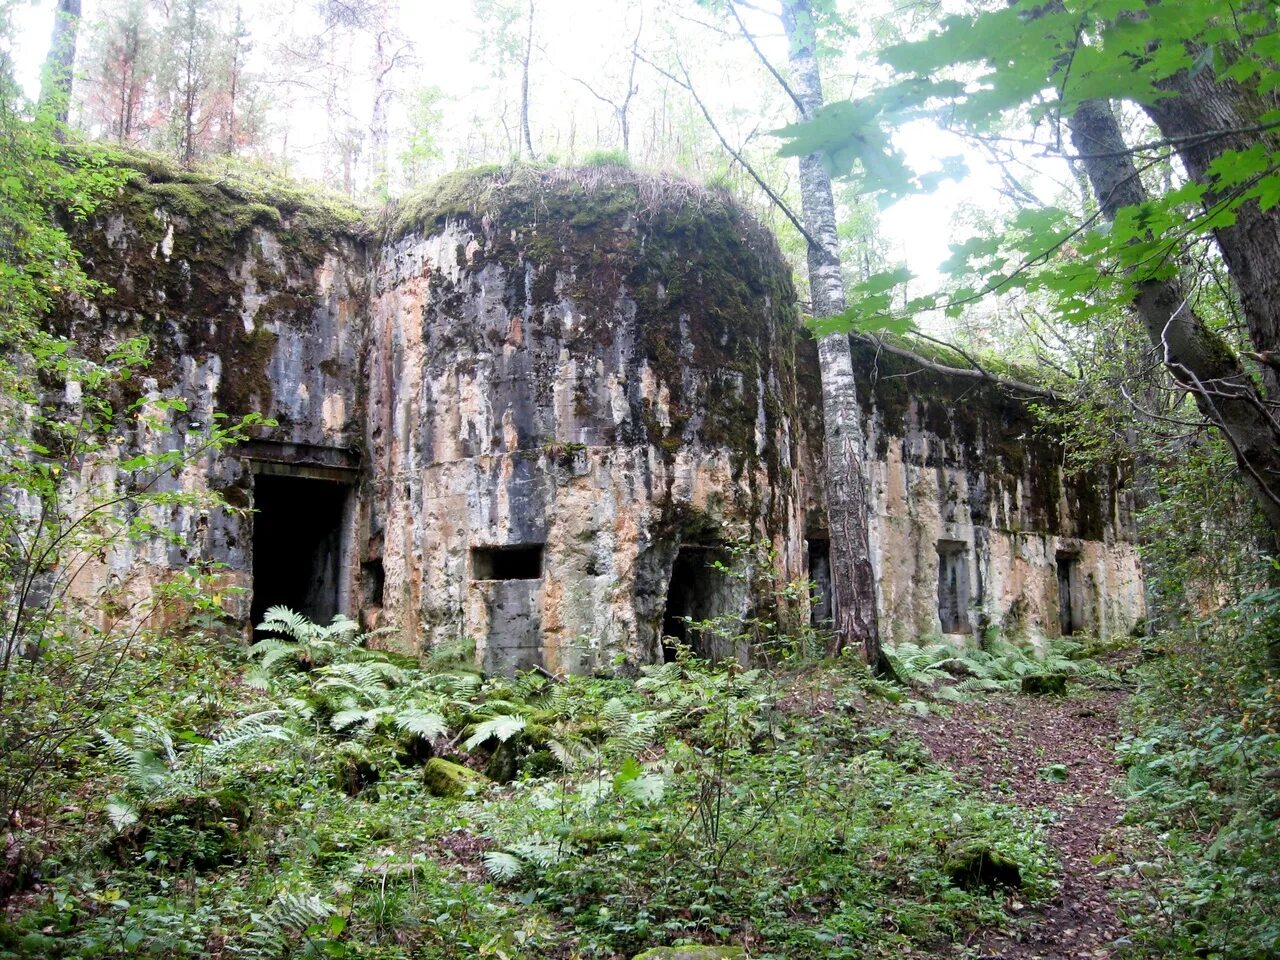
564	384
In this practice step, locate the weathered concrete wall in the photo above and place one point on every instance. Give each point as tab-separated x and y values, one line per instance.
964	468
604	370
249	308
549	392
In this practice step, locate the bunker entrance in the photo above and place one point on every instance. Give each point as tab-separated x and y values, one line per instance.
953	586
297	544
698	592
820	606
1070	594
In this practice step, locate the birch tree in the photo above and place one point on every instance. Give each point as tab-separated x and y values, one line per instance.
1204	72
848	512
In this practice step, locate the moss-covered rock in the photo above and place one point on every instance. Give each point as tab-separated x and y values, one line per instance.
692	953
1045	684
443	778
973	862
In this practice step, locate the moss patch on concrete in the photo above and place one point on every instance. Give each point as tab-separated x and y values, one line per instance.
202	261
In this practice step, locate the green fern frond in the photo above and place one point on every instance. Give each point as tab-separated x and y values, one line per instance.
298	912
502	728
425	723
502	866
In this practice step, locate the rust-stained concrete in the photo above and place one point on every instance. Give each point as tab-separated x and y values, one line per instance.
538	388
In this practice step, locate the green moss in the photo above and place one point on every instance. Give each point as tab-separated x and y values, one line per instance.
446	779
247	386
226	197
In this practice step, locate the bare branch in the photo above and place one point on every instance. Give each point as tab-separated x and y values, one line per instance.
781	204
765	60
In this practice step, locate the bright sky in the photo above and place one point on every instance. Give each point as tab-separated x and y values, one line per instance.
590	37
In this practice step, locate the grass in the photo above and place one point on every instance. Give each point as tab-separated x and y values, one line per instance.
696	804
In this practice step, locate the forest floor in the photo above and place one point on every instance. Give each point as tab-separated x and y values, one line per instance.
1055	755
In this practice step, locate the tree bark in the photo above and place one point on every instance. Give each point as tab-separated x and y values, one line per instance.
55	85
848	514
1195	355
524	87
1202	107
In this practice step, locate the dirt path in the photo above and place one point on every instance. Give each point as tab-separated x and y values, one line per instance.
1009	745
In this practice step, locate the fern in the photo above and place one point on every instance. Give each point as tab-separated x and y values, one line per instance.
424	723
572	755
122	814
308	645
502	866
298	912
502	728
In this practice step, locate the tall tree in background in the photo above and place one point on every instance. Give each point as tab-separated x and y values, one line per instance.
524	83
190	36
237	50
119	67
55	84
507	42
422	136
848	513
392	52
620	103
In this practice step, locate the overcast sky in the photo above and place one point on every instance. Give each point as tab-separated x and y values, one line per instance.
587	41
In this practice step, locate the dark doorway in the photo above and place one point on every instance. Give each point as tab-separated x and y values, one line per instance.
820	617
953	586
1070	600
297	544
697	592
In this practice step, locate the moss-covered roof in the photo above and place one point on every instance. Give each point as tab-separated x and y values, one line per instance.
580	197
231	194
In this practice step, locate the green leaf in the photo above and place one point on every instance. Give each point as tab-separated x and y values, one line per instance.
502	728
502	866
425	723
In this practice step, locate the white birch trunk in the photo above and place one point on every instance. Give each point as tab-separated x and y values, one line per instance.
848	514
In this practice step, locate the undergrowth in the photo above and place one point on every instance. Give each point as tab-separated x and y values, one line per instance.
1203	761
942	671
327	799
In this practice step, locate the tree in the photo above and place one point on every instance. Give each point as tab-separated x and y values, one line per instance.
59	65
1205	74
508	35
422	138
848	514
119	66
621	104
1199	358
191	35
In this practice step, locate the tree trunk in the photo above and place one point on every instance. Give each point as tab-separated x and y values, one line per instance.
379	136
1203	105
524	87
55	85
1195	355
852	575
